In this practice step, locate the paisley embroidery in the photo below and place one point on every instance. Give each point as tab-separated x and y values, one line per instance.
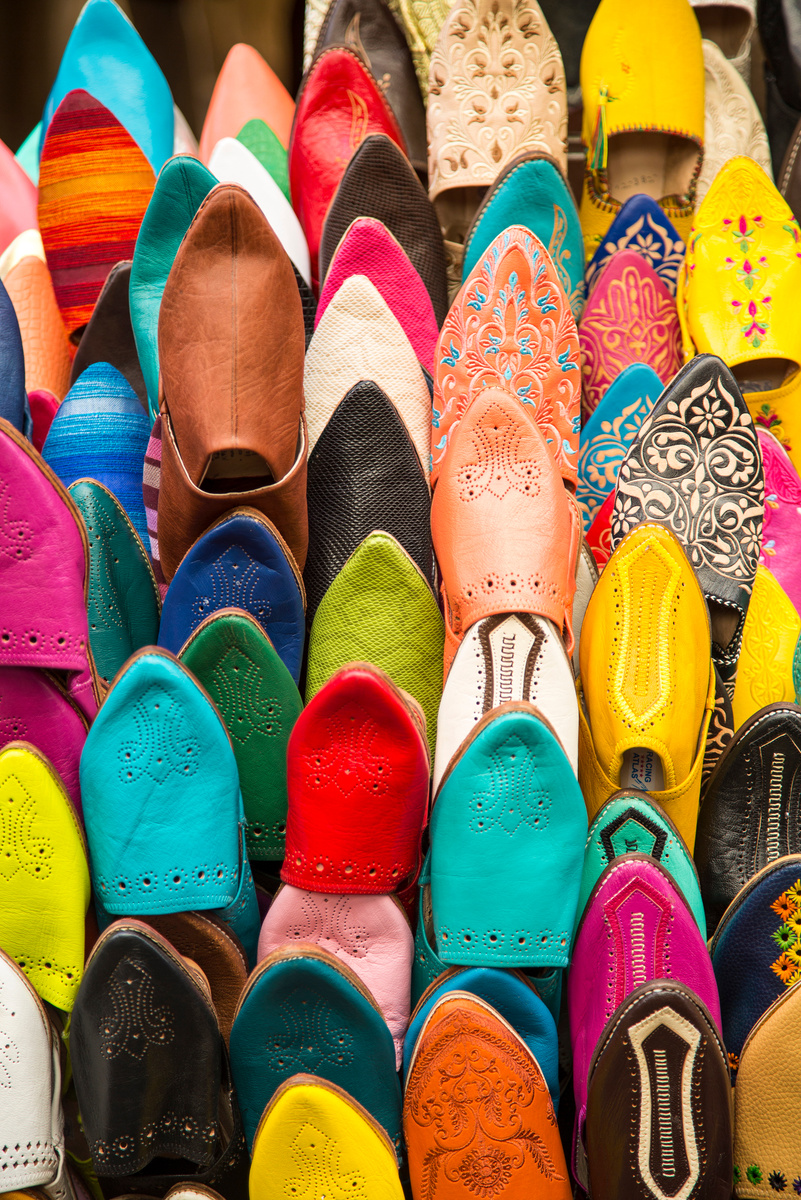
630	317
163	740
600	457
650	235
22	847
696	467
237	687
481	1095
235	579
496	89
136	1023
511	328
317	1159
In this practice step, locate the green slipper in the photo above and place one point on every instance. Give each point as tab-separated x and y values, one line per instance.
261	141
232	657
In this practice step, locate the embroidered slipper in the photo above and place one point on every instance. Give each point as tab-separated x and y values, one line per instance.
359	338
747	816
695	467
303	1010
782	516
158	773
181	188
234	660
262	141
380	609
232	273
511	327
370	934
660	1060
246	87
44	871
380	182
241	561
514	998
496	808
108	338
757	940
532	191
652	739
363	463
358	744
123	602
506	532
45	580
766	671
150	1067
31	1117
373	30
637	927
232	162
339	104
107	58
475	129
82	139
630	317
500	1130
631	823
641	226
44	338
609	432
733	124
210	944
508	657
35	708
368	248
313	1133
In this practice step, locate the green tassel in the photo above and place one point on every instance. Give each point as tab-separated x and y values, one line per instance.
600	137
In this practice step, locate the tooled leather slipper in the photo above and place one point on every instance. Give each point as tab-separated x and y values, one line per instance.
751	813
81	139
506	532
233	658
43	587
509	794
370	934
379	182
339	104
733	124
230	273
642	226
44	871
150	1067
313	1125
660	1060
241	561
368	248
181	187
123	601
511	327
305	1010
477	1114
158	772
109	336
695	467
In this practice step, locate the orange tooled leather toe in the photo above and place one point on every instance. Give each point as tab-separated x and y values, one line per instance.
477	1116
506	532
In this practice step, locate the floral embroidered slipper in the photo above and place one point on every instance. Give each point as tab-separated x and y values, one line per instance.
641	226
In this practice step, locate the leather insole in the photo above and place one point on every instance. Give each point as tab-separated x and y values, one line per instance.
726	26
656	164
456	209
763	375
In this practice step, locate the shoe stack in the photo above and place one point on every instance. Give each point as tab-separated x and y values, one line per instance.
399	617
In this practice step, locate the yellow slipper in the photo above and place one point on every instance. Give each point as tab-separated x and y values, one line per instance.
314	1140
647	684
770	636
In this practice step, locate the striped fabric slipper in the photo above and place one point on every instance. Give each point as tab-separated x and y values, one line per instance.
94	187
151	480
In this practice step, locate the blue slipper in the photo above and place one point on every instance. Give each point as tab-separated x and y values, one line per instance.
642	226
107	58
181	188
13	399
303	1012
241	561
161	801
609	432
100	432
532	192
